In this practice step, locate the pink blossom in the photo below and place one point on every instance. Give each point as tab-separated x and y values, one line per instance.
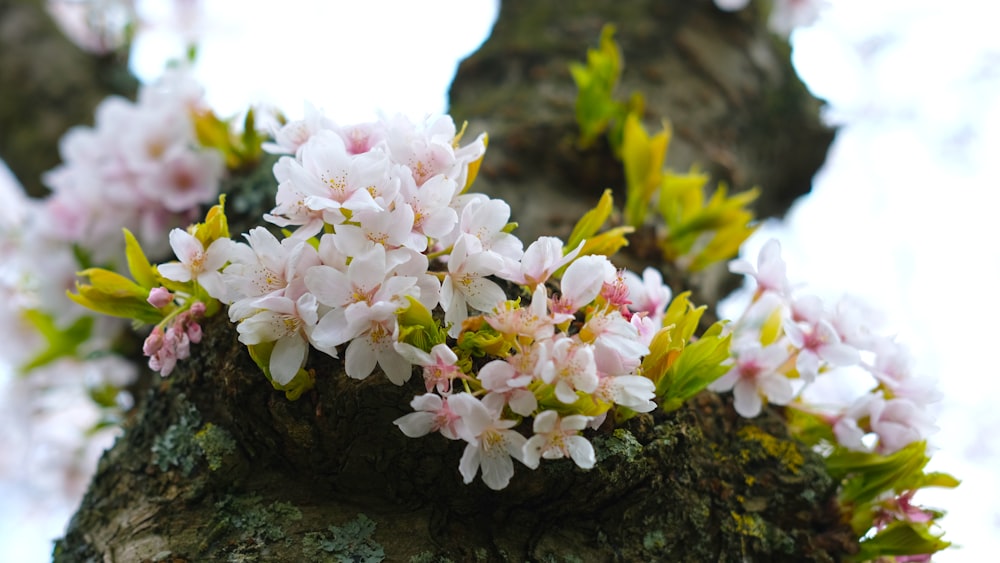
648	294
754	376
556	437
582	282
818	342
541	259
439	365
433	415
770	270
570	366
466	285
491	442
198	263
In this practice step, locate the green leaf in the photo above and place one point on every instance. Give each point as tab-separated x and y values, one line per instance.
138	265
867	475
698	364
417	326
642	157
592	221
900	538
596	82
59	342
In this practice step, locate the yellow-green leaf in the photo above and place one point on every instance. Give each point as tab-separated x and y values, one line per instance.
592	221
642	157
138	265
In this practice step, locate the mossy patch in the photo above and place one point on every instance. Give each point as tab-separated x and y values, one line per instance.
350	543
621	443
176	447
247	527
215	444
784	451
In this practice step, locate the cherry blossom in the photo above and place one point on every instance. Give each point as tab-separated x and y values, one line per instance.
569	366
491	442
770	270
753	376
556	437
466	284
432	415
198	263
439	365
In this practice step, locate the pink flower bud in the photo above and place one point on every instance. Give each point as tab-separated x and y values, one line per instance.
153	342
197	309
160	297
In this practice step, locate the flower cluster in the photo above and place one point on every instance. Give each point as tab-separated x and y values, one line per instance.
785	342
139	167
381	233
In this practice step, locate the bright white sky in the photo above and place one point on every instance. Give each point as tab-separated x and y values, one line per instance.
903	214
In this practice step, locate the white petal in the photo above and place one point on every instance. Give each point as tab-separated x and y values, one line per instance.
287	357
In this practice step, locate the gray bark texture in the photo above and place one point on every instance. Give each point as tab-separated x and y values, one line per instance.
47	85
216	466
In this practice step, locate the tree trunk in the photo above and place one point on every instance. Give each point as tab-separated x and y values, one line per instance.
216	466
49	85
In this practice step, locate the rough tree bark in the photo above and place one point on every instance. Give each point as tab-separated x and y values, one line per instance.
48	85
216	466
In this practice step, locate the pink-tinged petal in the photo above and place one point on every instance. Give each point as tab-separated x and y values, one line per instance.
468	466
175	271
218	253
497	469
581	451
807	364
396	368
213	284
416	424
483	295
483	263
565	392
413	354
777	388
287	357
839	354
523	402
746	401
583	279
184	245
360	359
331	287
333	329
545	422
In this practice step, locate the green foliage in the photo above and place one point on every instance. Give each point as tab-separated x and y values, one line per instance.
900	538
113	294
695	233
700	233
351	543
642	157
585	232
59	342
241	148
596	81
418	327
678	366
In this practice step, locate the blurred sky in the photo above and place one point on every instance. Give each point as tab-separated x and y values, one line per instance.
903	214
